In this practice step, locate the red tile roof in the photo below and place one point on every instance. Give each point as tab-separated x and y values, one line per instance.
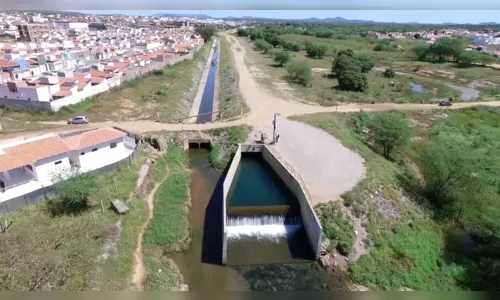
92	138
8	64
29	153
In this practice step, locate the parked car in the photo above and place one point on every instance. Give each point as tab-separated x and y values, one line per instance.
78	120
444	103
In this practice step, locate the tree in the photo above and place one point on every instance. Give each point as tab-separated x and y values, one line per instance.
255	34
421	51
73	193
316	50
389	73
353	81
294	47
262	45
366	62
241	32
468	58
281	58
300	71
447	48
388	132
345	61
272	38
206	32
417	36
448	165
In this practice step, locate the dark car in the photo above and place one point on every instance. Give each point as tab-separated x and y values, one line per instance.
444	103
78	120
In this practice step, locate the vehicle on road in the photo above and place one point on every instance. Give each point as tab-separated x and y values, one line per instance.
78	120
444	103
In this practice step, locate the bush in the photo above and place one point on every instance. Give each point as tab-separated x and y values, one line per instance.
300	71
336	227
281	58
262	45
389	73
359	121
353	81
73	193
158	72
389	132
316	50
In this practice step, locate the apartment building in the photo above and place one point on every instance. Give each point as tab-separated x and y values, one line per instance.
32	32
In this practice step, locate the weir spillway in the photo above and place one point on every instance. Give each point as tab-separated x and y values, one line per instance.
267	215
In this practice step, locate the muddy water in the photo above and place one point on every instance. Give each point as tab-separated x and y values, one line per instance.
201	264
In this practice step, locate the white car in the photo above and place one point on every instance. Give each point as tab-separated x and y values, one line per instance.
78	120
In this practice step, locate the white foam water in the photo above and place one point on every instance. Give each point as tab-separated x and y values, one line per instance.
264	226
274	231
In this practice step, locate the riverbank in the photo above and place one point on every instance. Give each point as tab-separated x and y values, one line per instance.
195	107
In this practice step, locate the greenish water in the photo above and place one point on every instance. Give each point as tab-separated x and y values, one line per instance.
256	184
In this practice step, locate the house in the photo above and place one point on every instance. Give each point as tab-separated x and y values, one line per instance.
27	165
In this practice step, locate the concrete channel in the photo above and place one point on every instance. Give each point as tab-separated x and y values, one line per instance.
293	183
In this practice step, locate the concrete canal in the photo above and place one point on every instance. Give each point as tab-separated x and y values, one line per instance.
274	256
207	100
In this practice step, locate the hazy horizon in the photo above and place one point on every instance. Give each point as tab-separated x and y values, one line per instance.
399	16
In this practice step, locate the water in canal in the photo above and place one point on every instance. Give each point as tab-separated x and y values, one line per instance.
207	99
254	268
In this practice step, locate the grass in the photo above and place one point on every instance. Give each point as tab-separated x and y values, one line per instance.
231	103
169	228
68	252
225	144
156	95
325	90
336	227
410	256
401	256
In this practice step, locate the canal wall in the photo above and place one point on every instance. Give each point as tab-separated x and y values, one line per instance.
293	181
195	107
228	181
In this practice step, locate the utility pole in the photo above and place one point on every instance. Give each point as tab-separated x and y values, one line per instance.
274	127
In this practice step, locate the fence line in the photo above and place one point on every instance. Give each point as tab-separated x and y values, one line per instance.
292	171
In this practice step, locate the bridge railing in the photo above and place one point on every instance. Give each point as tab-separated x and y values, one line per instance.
292	171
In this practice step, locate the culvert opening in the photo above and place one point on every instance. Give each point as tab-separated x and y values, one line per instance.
200	145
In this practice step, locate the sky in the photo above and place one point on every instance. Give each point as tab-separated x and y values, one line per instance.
427	16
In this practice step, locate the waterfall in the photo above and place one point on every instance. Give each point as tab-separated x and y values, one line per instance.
262	226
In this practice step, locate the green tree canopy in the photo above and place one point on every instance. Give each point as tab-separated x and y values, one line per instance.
206	32
262	45
316	50
282	57
389	132
300	71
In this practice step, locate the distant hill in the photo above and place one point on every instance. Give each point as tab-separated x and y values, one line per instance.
336	20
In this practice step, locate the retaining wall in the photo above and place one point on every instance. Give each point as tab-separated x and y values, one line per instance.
293	181
228	181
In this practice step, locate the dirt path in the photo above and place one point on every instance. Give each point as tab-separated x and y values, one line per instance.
139	269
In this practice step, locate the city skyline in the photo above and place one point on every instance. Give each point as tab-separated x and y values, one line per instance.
399	16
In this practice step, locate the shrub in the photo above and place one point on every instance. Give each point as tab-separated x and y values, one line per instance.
336	227
389	73
73	193
389	132
300	71
281	58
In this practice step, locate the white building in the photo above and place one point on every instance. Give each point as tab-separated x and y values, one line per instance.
31	164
